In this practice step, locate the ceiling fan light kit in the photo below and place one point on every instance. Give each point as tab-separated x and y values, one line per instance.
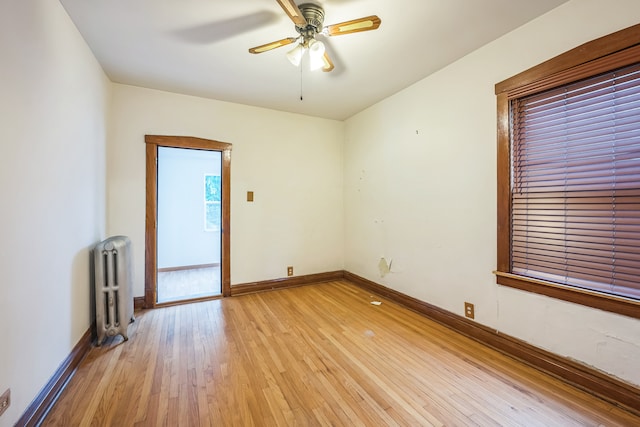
316	54
308	19
295	55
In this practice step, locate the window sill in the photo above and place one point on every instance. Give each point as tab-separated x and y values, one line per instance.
606	302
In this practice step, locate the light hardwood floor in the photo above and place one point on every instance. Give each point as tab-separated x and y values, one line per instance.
314	355
191	283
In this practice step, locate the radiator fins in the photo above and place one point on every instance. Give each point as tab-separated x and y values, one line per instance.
113	287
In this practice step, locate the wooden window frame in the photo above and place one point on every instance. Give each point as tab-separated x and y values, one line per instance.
561	70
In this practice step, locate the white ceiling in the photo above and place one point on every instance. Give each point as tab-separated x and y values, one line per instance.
200	47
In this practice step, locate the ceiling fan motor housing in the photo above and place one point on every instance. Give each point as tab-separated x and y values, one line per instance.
314	16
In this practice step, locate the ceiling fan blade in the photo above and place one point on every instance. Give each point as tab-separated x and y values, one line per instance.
294	13
272	45
363	24
328	64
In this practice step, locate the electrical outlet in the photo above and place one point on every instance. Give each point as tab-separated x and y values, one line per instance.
5	401
469	310
289	271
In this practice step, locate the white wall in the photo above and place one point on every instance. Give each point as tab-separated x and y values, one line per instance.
420	190
53	113
293	163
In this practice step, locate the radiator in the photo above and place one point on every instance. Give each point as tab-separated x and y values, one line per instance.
113	287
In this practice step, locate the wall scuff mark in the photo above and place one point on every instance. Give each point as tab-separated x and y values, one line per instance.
383	267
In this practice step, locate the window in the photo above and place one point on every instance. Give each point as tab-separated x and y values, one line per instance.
569	176
575	190
212	192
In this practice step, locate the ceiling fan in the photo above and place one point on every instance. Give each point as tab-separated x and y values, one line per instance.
309	20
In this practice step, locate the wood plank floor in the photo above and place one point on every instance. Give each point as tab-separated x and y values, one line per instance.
191	283
314	355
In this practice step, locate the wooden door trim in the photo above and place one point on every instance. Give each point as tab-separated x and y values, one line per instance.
151	216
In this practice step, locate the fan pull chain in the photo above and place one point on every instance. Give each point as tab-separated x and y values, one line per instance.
301	98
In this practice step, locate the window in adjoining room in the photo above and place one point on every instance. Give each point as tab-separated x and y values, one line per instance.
212	192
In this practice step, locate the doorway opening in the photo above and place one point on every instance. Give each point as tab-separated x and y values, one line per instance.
187	224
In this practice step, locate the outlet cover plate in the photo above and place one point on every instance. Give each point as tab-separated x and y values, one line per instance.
469	310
